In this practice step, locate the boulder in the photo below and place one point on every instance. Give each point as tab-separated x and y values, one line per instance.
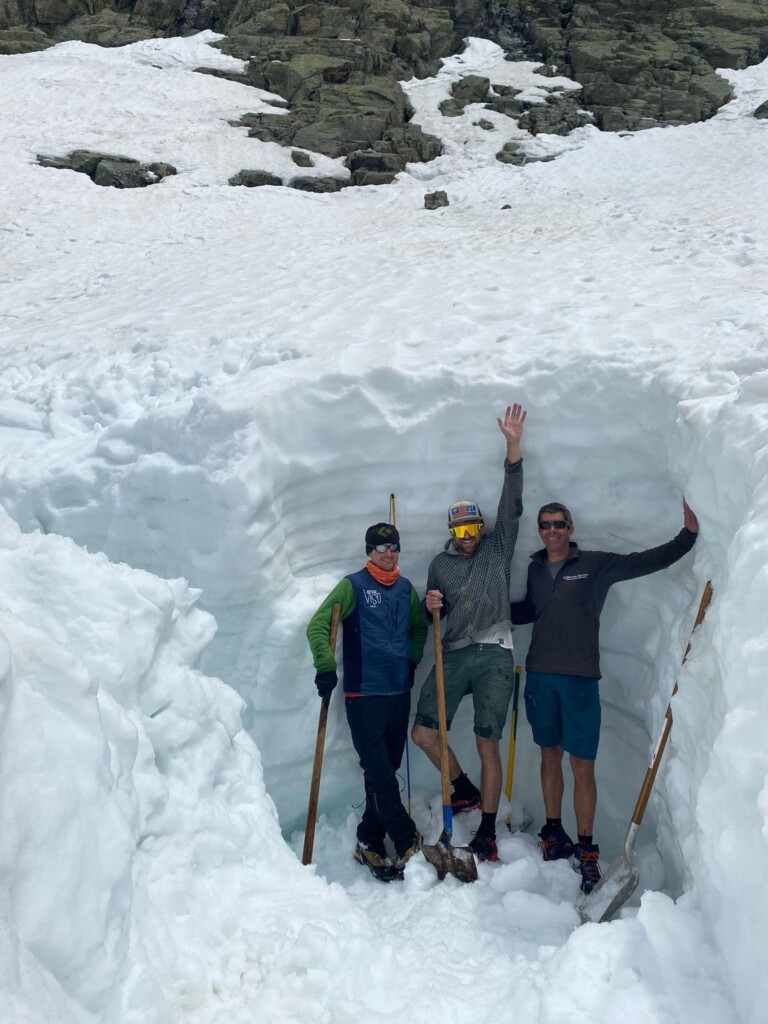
319	184
109	170
23	40
471	89
254	179
451	108
434	200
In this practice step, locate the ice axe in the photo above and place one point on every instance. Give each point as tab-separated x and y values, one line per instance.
445	858
621	879
317	767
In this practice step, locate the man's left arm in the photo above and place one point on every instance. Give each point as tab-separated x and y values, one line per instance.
643	563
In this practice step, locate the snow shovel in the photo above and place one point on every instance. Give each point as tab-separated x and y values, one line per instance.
317	767
621	879
526	821
445	858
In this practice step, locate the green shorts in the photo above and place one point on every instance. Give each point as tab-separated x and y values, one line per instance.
487	671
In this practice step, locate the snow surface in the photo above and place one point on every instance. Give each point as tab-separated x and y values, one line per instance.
207	393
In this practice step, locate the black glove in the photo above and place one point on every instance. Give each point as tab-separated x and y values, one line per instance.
325	683
411	674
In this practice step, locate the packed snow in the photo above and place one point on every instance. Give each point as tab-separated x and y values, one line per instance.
207	394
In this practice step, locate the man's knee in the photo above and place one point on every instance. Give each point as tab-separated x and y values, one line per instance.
487	749
551	755
583	770
423	737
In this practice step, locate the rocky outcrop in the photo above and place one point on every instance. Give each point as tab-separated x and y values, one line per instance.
641	63
109	170
646	63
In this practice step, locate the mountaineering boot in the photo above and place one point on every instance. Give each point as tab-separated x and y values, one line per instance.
555	842
374	857
465	796
585	860
402	858
484	847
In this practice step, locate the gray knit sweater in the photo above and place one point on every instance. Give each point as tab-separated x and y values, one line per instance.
475	588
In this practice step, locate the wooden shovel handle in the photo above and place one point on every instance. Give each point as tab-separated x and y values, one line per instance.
317	767
653	767
445	782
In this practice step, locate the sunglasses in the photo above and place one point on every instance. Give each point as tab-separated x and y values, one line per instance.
557	524
381	548
466	530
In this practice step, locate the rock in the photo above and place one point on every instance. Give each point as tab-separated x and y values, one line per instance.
105	28
325	184
471	89
761	113
371	168
370	160
254	179
487	126
507	105
512	153
121	172
366	177
434	200
640	65
108	170
23	40
302	159
338	134
451	108
558	116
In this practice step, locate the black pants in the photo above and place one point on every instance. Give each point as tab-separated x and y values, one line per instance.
379	726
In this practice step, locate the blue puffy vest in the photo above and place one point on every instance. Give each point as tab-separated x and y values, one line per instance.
377	639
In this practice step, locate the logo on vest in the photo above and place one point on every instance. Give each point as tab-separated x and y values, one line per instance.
372	597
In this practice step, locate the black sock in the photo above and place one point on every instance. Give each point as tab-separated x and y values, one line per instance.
554	821
487	824
585	840
462	786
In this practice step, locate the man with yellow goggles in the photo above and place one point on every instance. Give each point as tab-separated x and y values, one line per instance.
468	583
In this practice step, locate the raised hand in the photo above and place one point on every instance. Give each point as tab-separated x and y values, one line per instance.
511	427
690	522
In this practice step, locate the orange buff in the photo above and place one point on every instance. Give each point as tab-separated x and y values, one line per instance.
384	576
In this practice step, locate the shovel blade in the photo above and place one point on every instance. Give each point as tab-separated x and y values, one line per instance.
612	891
451	860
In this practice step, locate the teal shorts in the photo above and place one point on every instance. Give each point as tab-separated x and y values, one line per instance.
487	671
564	711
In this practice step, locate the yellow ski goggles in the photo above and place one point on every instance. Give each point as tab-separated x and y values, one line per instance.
466	530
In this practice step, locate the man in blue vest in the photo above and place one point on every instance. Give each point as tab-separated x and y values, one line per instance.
384	635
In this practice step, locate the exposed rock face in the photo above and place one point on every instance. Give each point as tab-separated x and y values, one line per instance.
107	170
649	62
337	62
